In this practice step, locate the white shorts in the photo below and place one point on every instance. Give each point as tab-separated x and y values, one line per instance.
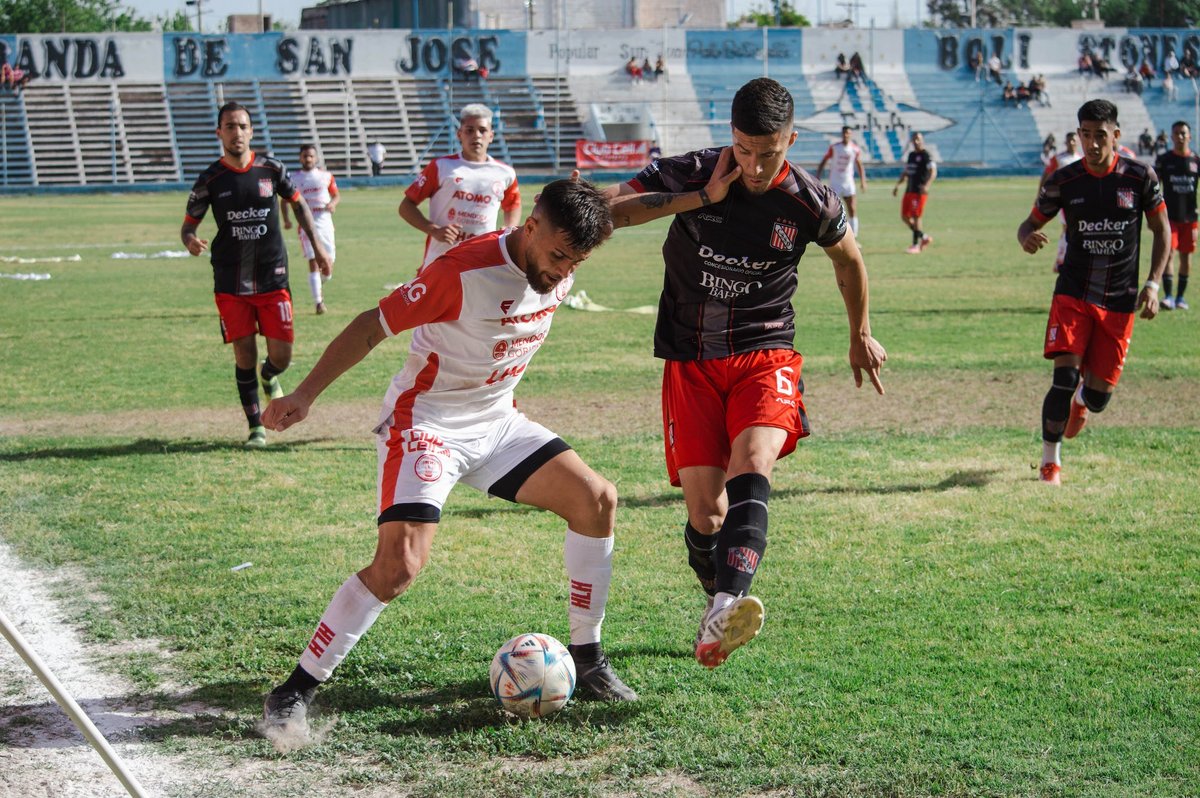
843	189
323	227
419	466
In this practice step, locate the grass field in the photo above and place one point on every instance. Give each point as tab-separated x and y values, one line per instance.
938	622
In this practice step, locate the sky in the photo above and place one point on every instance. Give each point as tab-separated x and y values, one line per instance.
884	12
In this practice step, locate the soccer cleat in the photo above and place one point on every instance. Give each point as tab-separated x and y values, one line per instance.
257	439
729	629
287	709
321	308
1166	303
272	388
1051	474
700	632
597	677
1076	421
925	241
1181	304
914	249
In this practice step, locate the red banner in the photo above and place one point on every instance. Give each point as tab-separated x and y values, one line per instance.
611	154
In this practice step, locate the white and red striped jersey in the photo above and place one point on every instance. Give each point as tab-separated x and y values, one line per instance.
468	194
842	158
317	187
1062	159
476	325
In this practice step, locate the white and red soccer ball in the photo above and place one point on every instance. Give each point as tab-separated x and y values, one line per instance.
532	675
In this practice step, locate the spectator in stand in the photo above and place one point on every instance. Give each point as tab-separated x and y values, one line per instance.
1101	66
976	65
1133	81
1187	65
468	68
660	67
1161	144
1147	72
842	67
857	70
1145	142
1170	63
1170	92
995	68
1085	64
1023	94
634	70
1049	147
1037	87
376	152
647	69
1010	94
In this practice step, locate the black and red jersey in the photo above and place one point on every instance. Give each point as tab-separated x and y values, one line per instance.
731	266
1178	175
249	255
916	169
1104	228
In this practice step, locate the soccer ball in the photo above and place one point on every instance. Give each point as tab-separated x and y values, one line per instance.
532	675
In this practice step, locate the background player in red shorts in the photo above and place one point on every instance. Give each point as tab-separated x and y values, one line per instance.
1178	170
732	390
920	171
1091	316
249	257
478	314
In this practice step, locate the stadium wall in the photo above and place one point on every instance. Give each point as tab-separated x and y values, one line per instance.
136	109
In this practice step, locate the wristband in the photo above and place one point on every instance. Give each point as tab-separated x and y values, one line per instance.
704	200
1153	286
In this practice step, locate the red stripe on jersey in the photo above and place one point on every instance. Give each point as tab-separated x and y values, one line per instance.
189	220
234	168
1160	208
402	414
1041	217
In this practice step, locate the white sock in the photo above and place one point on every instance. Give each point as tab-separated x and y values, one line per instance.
1050	452
589	573
1078	397
351	612
325	277
722	600
314	285
854	225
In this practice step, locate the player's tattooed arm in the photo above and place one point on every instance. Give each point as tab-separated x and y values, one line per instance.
630	209
194	245
866	354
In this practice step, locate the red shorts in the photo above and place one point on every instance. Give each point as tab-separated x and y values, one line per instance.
707	403
912	205
1183	237
1099	336
269	313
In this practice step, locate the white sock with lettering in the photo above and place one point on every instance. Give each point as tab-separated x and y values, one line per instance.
351	612
589	573
314	285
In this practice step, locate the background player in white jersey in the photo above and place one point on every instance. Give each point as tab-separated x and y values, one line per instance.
466	191
1068	156
846	157
320	191
478	315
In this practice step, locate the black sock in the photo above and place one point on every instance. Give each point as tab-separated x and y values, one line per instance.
1056	407
1182	286
300	681
1169	284
916	237
585	652
701	549
270	370
743	536
247	387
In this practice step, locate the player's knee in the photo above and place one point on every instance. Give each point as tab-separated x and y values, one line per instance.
391	573
1094	400
706	520
1066	378
603	503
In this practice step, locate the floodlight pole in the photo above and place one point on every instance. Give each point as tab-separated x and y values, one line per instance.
71	708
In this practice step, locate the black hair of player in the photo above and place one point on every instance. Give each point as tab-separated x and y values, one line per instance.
1181	123
762	107
845	128
577	208
1070	135
1098	111
229	108
304	147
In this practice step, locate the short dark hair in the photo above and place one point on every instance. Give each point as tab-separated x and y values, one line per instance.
845	128
762	107
1181	123
580	210
304	147
1070	134
1098	111
229	108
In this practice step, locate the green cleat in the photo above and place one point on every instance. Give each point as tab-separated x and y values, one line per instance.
272	388
257	439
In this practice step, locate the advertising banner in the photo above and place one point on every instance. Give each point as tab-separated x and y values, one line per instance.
628	155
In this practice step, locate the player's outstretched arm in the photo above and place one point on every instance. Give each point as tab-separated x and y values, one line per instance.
350	346
630	208
866	354
1160	253
1030	235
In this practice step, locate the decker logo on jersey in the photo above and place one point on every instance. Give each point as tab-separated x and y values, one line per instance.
1104	225
714	258
783	235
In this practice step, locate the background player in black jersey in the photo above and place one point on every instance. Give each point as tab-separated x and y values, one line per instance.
1178	169
920	172
249	257
1103	196
732	391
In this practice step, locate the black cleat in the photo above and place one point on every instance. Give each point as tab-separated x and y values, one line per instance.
595	675
287	709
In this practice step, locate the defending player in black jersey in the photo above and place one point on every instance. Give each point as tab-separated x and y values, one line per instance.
919	171
732	391
1178	169
249	257
1103	197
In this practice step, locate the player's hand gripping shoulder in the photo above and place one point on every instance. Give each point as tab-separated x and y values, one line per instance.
630	208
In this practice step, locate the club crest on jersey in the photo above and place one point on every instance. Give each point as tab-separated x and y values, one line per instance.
1125	198
505	305
562	289
428	468
265	189
783	235
499	350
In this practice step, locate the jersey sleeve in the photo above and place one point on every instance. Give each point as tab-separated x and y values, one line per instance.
1152	195
333	189
426	184
832	224
512	196
434	295
1049	199
675	173
198	201
285	187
